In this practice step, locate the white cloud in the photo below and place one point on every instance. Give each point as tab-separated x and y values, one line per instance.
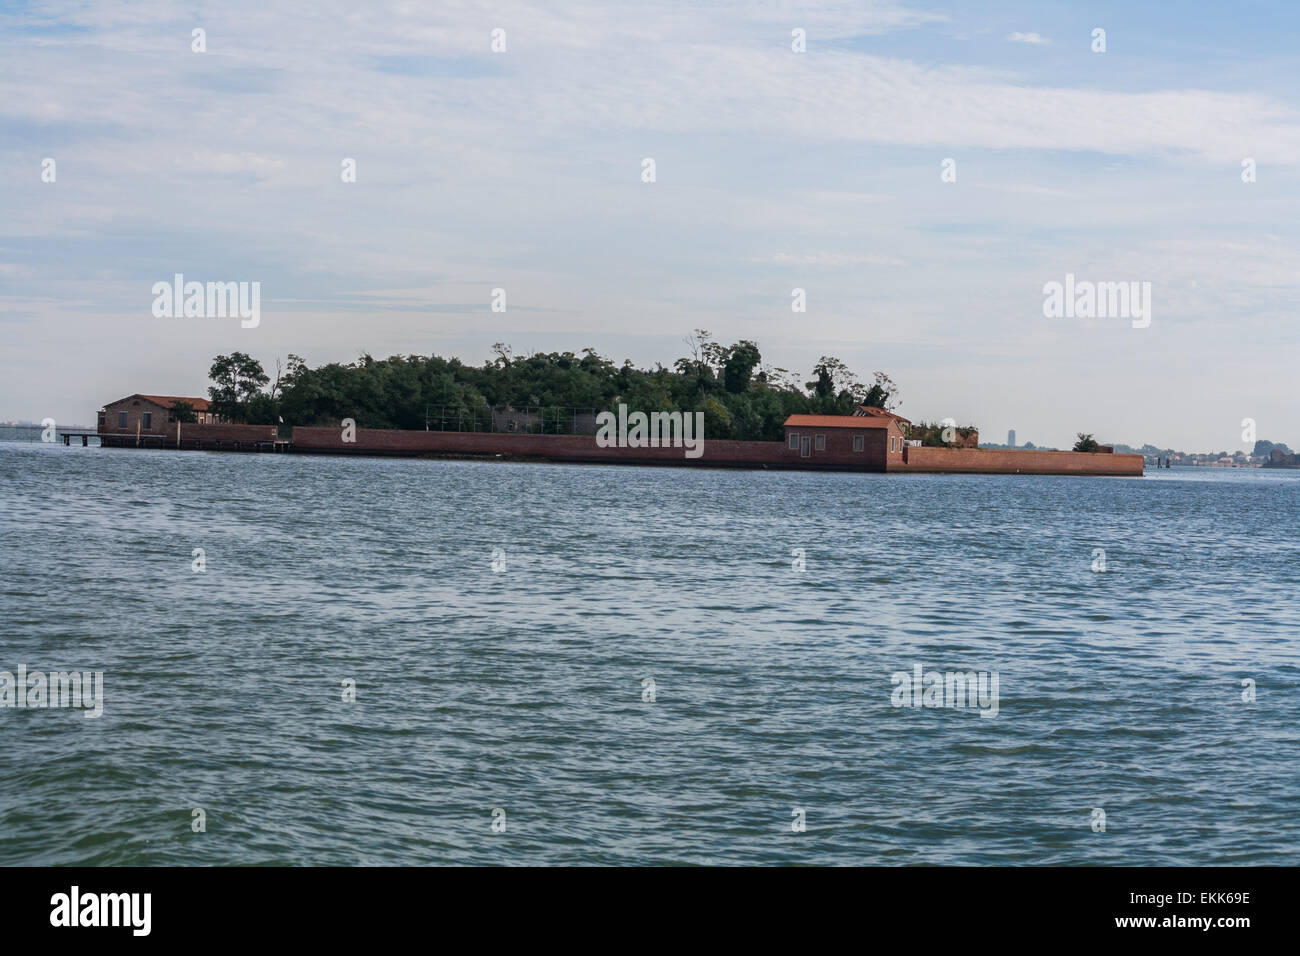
231	163
1027	38
834	260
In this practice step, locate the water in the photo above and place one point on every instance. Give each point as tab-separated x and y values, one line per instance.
522	690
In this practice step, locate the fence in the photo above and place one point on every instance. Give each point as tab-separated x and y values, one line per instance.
511	419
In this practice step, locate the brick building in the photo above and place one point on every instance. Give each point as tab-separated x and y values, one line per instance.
151	413
871	441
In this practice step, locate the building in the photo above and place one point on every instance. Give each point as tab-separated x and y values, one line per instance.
1011	438
870	411
151	414
870	441
1277	458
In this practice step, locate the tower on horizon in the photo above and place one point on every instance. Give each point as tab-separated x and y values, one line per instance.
1011	438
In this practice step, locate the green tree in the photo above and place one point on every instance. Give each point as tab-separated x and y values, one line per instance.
236	379
740	397
738	368
1085	443
183	412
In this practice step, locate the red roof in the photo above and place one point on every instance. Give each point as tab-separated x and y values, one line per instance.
167	401
837	421
864	411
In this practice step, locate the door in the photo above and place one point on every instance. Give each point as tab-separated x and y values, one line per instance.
805	446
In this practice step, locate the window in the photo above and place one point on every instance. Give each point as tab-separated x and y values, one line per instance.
146	419
821	442
857	443
891	442
794	440
121	419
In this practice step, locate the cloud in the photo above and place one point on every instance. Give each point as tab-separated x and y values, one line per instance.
226	164
1027	38
833	260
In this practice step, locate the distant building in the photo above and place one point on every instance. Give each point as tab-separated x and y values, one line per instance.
1011	438
151	414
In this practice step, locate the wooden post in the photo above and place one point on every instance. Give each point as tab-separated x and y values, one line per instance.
137	432
178	433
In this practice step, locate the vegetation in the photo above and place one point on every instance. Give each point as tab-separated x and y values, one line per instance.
236	389
1085	443
183	411
1264	448
740	396
932	435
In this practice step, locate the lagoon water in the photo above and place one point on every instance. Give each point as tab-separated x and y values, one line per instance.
522	690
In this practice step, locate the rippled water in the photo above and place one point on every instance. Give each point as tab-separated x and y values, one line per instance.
522	690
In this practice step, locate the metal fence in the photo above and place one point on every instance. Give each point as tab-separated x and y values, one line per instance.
516	419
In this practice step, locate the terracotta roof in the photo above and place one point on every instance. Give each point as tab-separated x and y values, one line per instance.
837	421
870	411
167	401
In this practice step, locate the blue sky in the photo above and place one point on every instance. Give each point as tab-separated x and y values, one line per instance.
775	170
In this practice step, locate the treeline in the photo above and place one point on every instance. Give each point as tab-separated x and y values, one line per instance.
940	434
741	397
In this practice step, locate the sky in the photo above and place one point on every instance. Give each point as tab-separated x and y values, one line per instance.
774	170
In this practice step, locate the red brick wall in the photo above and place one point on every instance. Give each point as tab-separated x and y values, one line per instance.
553	447
240	433
837	454
192	436
1020	461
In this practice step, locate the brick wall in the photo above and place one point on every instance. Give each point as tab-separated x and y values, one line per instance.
240	433
552	447
1020	461
837	454
191	435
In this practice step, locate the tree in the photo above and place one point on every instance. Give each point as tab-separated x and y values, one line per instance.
823	386
740	397
183	412
881	393
738	369
1085	443
236	378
